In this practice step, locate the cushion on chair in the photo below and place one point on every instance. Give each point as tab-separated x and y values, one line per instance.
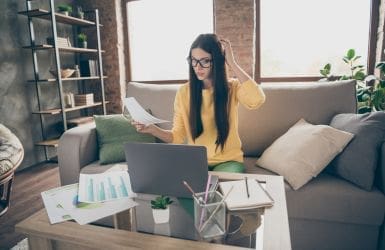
11	150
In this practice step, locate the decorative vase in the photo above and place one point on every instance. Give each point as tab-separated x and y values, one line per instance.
161	215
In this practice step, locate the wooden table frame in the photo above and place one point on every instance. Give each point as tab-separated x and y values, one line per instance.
70	235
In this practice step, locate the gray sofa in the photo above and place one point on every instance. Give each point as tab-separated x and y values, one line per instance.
326	213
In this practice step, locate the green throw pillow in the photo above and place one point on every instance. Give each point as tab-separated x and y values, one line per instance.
112	132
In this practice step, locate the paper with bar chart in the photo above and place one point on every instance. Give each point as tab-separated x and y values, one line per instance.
105	186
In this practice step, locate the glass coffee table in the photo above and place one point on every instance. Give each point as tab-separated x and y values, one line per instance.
248	228
273	232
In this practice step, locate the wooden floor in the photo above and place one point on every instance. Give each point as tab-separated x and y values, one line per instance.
26	199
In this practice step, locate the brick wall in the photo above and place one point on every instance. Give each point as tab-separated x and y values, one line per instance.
234	19
112	42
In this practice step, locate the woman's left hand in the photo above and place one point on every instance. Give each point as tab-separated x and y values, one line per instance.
228	52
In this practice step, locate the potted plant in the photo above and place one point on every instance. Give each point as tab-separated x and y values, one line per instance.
82	39
370	89
80	12
160	209
65	9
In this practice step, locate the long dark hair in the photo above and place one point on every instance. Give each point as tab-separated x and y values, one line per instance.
211	44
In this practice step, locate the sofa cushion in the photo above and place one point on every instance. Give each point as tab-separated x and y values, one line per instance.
316	102
330	198
112	132
303	152
359	160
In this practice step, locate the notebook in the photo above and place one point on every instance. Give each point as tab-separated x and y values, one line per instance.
161	168
238	198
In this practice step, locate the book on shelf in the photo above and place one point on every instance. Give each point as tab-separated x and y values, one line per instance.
84	99
246	194
89	68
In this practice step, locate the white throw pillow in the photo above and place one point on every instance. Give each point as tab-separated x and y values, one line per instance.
303	152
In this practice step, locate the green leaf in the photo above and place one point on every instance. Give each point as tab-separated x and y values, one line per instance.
359	76
382	83
364	109
350	54
381	67
356	58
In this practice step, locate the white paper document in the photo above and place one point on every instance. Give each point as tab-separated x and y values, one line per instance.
84	213
139	114
56	213
105	186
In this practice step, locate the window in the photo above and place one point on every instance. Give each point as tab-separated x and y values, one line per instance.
298	37
160	34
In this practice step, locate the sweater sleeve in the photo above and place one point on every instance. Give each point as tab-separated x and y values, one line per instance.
178	129
250	94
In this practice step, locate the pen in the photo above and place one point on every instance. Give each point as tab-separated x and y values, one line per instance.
247	188
191	190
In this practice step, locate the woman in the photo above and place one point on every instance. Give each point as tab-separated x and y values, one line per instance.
206	108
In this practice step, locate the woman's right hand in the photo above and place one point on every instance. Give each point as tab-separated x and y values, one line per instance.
142	128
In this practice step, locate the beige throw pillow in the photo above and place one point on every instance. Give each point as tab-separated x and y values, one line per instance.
303	152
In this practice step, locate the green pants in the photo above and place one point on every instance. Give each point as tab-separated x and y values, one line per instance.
229	166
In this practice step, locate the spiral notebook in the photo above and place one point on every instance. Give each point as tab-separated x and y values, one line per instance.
246	194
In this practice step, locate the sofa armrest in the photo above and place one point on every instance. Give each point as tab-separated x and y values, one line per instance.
77	148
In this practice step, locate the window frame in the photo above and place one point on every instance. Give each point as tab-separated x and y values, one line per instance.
127	48
372	36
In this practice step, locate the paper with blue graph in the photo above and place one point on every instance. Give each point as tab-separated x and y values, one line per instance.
105	186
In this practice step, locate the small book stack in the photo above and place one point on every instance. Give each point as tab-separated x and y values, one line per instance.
60	41
246	194
86	99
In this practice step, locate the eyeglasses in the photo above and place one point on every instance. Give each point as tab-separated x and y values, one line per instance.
204	62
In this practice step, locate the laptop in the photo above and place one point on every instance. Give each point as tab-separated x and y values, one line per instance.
161	168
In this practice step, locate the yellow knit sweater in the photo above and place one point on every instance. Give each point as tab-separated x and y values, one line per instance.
249	94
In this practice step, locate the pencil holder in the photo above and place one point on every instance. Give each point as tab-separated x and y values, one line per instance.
209	215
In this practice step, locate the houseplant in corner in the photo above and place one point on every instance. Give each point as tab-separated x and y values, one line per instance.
82	39
160	209
370	89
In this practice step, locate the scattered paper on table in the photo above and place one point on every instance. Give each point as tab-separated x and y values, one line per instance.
84	213
139	114
56	213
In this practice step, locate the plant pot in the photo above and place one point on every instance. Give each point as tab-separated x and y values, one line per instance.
66	13
83	45
161	215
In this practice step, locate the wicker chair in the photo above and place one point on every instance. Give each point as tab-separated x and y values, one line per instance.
11	155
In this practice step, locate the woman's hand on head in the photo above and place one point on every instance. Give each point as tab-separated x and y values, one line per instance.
228	52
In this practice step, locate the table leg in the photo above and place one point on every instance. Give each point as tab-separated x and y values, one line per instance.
38	243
